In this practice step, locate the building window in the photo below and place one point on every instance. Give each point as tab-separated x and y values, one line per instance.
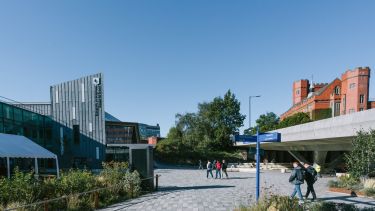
352	86
337	90
360	109
76	134
83	92
297	92
90	127
361	99
74	112
337	109
57	96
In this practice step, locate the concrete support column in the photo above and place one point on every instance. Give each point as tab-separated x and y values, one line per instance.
320	157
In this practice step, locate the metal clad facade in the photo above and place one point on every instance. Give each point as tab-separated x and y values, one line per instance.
81	102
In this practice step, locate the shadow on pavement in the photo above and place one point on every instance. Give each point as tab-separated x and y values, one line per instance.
177	188
350	199
240	178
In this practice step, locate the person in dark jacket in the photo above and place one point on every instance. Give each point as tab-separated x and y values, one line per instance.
296	178
310	177
224	167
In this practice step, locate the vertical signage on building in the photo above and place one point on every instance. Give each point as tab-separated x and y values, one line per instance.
98	94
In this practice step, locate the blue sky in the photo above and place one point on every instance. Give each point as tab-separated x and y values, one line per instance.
163	57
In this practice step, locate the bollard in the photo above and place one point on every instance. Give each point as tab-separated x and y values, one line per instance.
156	182
96	199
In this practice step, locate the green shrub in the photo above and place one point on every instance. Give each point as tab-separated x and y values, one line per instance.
346	182
23	188
369	192
333	184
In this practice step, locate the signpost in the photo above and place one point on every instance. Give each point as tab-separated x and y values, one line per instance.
260	137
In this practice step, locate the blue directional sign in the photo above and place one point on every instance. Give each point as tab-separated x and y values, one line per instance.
270	137
265	137
260	137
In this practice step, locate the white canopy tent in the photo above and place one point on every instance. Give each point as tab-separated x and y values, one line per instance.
15	146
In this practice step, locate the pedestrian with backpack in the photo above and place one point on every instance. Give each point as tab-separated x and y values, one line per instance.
311	176
209	169
296	178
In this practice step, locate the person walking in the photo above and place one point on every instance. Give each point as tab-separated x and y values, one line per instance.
218	169
200	165
311	176
224	167
296	178
209	169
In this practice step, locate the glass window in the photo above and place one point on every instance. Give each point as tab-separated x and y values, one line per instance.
17	114
337	90
8	111
76	134
1	126
352	86
8	126
361	98
26	116
1	110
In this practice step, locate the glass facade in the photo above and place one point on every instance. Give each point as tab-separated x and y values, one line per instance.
52	135
18	121
120	134
146	131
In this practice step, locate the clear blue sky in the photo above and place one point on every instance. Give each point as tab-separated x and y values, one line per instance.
163	57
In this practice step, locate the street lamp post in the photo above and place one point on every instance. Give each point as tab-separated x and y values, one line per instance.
250	109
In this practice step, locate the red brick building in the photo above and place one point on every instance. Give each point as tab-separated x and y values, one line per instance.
342	96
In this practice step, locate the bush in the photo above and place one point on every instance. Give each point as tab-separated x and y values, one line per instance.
369	192
23	188
274	202
346	182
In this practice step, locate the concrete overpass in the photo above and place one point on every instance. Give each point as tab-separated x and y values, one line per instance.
333	134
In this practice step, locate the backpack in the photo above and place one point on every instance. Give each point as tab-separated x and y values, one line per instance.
314	174
210	166
300	175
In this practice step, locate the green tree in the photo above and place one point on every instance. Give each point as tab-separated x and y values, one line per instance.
210	127
296	119
265	122
361	159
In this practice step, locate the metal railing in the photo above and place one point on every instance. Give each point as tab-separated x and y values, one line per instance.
95	196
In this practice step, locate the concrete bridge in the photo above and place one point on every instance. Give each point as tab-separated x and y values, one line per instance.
333	134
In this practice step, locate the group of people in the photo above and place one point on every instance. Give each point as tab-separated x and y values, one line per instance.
301	173
219	167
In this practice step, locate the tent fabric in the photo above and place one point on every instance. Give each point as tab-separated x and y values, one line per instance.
15	146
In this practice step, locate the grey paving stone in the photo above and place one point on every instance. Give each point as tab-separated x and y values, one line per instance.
187	189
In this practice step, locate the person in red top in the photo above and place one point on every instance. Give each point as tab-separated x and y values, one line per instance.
218	169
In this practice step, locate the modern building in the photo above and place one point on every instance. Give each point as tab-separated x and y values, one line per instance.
342	96
75	126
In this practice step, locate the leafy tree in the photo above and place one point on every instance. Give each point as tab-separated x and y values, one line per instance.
207	129
296	119
265	122
361	159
